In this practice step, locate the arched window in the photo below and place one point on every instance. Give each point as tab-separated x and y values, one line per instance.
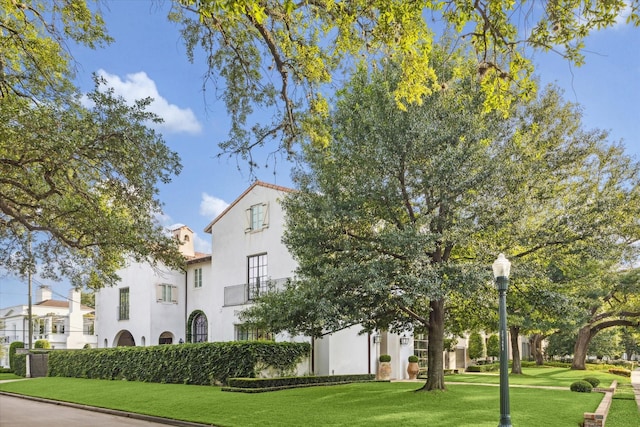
198	330
165	338
124	339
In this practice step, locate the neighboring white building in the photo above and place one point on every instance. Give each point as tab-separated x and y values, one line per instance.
66	324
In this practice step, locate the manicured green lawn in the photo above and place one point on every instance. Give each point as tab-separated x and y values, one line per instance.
543	376
363	404
624	409
9	376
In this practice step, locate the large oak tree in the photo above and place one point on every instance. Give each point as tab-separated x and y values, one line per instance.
398	219
78	173
286	56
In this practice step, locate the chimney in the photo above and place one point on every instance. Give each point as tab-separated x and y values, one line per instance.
74	301
43	293
184	235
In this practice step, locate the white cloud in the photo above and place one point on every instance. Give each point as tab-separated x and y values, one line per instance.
211	206
201	245
138	86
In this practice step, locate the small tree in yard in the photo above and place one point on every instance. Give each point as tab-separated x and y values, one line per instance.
493	346
42	344
476	346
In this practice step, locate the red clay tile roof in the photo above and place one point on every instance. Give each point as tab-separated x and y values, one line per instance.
198	258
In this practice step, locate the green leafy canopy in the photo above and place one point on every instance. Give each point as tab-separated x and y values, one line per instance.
78	174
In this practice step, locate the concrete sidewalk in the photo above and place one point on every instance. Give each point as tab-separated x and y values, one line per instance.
635	383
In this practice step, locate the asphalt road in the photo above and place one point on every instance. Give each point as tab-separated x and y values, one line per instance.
19	412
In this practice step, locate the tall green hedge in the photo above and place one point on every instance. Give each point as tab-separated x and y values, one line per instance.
202	363
12	353
20	364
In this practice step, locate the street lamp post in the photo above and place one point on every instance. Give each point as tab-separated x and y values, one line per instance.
501	268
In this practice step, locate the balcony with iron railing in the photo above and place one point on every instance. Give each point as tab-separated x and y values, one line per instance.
245	293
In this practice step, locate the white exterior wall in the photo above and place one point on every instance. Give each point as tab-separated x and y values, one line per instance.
344	352
199	298
232	244
148	318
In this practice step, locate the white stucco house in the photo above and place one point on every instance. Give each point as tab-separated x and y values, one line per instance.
148	305
152	306
66	324
249	257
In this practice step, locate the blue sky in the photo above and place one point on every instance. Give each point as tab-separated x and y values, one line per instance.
148	59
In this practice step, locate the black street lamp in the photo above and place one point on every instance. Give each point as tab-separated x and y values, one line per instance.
501	269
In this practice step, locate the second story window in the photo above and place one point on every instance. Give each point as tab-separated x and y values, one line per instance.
123	308
166	293
197	278
257	217
58	327
256	275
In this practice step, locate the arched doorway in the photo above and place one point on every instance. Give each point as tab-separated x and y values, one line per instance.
124	339
165	338
197	327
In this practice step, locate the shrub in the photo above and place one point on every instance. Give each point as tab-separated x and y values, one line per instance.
581	387
413	359
12	353
476	346
624	364
490	367
557	364
620	371
41	344
493	346
253	385
20	364
174	364
384	358
593	381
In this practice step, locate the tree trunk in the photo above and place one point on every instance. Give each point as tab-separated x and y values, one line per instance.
580	349
435	349
516	368
536	348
